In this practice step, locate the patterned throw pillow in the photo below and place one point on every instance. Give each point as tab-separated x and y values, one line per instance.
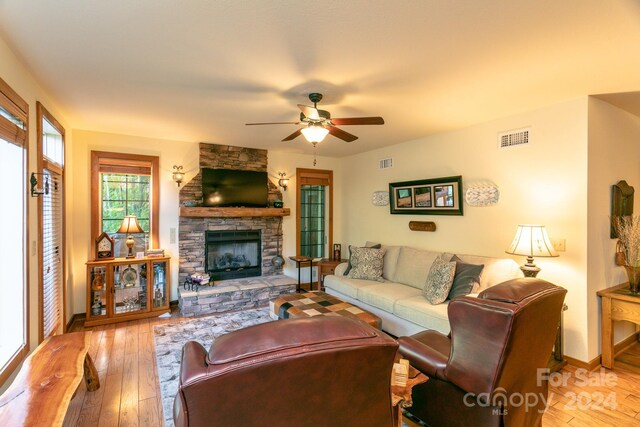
367	245
366	263
439	281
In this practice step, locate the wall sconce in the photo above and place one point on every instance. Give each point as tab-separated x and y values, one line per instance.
283	182
178	175
44	189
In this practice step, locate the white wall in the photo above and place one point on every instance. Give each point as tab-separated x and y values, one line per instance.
545	182
614	155
19	77
170	153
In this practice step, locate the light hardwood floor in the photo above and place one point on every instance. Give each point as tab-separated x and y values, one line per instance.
129	394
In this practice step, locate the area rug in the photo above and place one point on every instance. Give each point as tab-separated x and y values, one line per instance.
170	338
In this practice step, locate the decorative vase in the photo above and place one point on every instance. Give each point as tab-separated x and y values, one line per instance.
633	273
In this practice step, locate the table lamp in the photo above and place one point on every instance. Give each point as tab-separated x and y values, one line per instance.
531	240
130	226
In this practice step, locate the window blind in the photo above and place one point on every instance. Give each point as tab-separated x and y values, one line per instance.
52	280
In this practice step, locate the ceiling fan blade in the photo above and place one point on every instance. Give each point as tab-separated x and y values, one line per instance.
358	121
309	112
273	123
293	135
339	133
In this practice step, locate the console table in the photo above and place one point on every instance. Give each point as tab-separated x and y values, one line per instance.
617	304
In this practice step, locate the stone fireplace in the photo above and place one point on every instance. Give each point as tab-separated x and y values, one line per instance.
234	245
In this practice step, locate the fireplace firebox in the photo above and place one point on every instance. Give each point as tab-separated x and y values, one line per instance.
233	254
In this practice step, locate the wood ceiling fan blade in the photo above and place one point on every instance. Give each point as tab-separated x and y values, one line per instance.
293	135
358	121
339	133
273	123
309	111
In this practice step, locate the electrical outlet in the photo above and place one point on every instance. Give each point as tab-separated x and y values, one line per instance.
559	245
172	235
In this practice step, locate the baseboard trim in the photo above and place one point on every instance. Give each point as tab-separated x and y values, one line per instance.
595	362
75	317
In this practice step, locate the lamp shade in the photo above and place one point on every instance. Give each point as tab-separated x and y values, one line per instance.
314	133
130	225
532	241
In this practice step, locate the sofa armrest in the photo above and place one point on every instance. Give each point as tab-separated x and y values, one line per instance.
430	360
340	268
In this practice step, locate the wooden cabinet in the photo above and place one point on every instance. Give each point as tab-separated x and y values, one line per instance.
124	289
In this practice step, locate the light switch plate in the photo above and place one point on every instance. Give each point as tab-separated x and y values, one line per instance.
559	245
172	235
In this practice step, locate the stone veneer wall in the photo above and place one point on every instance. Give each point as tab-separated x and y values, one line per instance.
191	233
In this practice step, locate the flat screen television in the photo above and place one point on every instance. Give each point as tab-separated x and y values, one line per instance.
237	188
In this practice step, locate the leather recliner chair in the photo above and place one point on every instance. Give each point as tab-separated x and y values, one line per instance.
320	371
491	369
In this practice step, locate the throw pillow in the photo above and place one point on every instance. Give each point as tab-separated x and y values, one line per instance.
366	263
367	245
439	281
467	275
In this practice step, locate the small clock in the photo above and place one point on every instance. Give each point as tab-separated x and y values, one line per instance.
104	247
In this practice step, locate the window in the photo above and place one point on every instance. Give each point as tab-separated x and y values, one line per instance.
51	217
312	221
13	245
314	213
125	184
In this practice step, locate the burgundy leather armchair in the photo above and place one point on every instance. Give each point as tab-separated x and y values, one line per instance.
320	371
490	360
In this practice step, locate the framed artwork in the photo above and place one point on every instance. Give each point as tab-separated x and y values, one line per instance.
438	196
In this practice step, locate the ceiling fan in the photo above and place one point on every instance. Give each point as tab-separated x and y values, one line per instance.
318	123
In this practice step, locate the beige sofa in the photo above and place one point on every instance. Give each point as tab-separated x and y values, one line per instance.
398	300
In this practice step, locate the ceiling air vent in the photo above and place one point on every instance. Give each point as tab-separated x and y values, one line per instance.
514	138
385	163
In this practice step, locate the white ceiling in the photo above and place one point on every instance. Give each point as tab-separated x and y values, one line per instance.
197	70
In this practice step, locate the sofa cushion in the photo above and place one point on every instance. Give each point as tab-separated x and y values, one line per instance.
417	310
390	261
345	285
466	278
366	263
496	270
413	266
384	295
439	281
366	245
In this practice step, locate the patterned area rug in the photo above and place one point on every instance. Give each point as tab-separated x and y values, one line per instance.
170	338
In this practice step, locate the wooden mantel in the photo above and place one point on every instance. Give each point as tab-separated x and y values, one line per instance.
202	212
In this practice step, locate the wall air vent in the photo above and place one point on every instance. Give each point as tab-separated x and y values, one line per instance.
385	163
514	138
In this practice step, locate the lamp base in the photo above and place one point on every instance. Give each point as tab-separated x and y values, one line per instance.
530	269
130	243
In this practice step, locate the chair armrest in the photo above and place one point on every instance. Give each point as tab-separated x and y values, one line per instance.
194	363
426	359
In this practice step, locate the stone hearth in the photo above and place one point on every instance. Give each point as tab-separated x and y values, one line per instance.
234	294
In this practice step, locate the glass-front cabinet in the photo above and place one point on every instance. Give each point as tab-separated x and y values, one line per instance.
126	289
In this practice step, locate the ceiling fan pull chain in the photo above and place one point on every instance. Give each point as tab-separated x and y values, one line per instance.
315	151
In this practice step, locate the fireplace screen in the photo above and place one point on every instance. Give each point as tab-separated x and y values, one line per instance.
233	254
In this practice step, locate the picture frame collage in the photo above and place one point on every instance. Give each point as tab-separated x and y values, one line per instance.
437	196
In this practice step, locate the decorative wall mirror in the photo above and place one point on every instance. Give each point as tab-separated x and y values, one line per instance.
621	203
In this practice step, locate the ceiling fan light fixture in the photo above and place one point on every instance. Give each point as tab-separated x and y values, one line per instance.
314	133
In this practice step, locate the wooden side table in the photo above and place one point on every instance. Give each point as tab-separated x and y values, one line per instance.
300	261
327	266
401	396
617	304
